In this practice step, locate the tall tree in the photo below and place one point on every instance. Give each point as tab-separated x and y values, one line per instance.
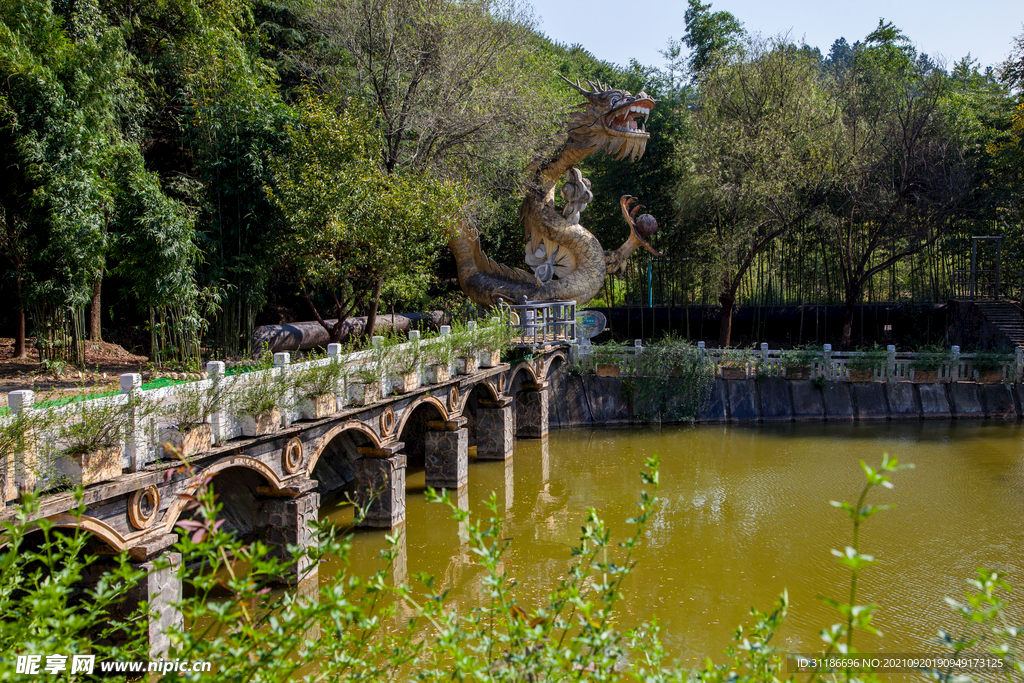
353	229
903	175
753	166
710	35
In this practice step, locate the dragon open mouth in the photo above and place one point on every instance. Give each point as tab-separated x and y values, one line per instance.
627	119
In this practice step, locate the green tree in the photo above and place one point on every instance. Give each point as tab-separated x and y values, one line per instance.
756	162
710	35
904	172
352	228
62	93
462	90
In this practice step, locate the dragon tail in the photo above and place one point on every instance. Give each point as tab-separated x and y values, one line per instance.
482	276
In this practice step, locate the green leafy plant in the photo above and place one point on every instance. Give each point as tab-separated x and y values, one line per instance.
734	358
873	358
47	610
317	380
191	404
987	361
89	426
257	394
801	357
405	355
673	381
854	617
930	358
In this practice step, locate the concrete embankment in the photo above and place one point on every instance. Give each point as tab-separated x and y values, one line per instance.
594	400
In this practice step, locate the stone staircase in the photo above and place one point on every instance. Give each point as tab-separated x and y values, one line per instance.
1007	317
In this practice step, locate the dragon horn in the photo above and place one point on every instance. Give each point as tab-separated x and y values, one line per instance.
576	85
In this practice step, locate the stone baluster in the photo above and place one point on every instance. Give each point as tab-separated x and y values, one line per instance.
281	362
954	370
1018	365
830	370
215	372
22	465
340	395
890	368
136	450
764	358
444	331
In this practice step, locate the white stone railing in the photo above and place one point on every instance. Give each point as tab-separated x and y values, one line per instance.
143	419
890	365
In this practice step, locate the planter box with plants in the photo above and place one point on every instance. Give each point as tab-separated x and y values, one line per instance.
316	389
404	367
257	401
92	443
732	363
799	363
926	365
493	338
364	387
863	367
988	365
606	359
187	411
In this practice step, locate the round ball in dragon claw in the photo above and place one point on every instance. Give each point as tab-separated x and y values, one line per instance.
646	224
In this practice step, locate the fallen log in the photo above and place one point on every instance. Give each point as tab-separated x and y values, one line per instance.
311	334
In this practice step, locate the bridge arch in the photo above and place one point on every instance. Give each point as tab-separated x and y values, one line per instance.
411	408
245	472
412	430
552	363
327	439
98	528
517	374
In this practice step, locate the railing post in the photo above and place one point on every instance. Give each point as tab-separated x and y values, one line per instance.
334	353
134	458
954	371
1018	363
21	468
891	367
215	372
281	362
764	358
829	370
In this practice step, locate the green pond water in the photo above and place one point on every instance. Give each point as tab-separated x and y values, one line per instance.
744	513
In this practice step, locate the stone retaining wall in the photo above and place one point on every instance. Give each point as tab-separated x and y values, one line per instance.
588	399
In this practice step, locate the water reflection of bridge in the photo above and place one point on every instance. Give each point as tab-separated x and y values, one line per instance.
272	486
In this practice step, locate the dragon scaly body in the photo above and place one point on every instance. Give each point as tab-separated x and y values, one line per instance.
568	262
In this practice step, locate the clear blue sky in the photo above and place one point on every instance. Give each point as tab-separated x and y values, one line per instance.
617	31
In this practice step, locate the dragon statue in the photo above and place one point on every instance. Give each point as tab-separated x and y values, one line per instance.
568	262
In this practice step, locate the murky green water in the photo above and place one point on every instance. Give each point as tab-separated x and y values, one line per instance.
744	514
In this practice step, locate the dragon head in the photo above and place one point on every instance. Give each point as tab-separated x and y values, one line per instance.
611	119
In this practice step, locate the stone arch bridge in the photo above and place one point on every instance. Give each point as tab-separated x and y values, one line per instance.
272	486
